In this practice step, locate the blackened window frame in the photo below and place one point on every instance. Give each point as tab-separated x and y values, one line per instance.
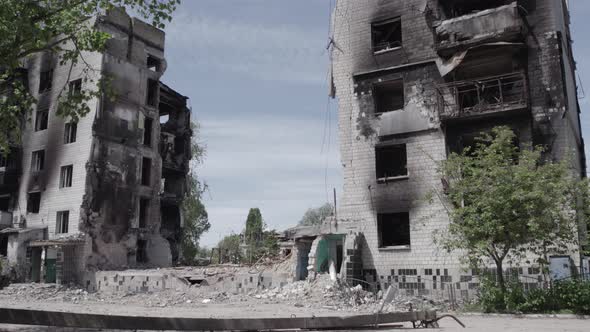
62	222
66	174
37	160
396	83
380	172
148	125
70	132
400	234
41	119
46	80
33	202
143	213
146	171
75	87
379	49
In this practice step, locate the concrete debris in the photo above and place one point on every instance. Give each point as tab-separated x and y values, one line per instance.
321	293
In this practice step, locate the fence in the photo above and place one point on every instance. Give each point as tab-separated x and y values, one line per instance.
453	294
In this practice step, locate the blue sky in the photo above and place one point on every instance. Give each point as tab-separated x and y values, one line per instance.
255	73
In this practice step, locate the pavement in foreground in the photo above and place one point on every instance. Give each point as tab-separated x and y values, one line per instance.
474	323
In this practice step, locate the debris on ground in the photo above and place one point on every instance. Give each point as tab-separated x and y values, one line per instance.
318	293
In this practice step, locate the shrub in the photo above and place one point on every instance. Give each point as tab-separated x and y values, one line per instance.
537	301
491	297
514	297
571	295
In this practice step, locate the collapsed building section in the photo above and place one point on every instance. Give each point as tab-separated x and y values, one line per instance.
103	192
175	151
424	80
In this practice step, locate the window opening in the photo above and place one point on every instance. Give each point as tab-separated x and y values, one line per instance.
391	161
393	229
389	96
386	35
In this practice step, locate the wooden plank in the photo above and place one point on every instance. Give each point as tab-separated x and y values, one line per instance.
86	320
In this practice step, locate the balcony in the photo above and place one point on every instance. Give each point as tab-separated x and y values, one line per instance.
483	97
8	179
501	24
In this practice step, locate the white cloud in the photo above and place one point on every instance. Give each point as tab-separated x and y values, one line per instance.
277	52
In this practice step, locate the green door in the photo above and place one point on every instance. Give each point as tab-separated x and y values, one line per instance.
50	270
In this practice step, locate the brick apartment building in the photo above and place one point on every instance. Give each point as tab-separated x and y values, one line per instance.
103	192
416	80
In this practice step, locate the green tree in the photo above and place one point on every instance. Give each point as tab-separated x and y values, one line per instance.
316	216
229	249
196	218
507	202
253	235
64	28
270	243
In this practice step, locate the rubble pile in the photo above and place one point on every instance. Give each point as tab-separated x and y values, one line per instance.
319	292
7	272
50	292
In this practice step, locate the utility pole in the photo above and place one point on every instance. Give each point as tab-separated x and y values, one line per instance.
335	213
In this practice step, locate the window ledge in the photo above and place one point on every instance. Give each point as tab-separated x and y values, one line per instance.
396	110
395	248
393	178
387	50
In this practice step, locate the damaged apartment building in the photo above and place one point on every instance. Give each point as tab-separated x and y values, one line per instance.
103	192
416	80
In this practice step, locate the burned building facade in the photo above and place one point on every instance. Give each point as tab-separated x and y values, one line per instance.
416	80
103	192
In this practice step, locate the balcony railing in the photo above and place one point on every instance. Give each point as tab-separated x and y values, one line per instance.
484	96
503	23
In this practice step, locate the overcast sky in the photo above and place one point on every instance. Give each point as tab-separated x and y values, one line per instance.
255	73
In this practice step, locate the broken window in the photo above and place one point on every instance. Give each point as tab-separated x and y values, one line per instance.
147	131
41	119
389	96
33	202
70	132
75	87
146	169
144	204
391	161
386	35
7	160
141	255
393	229
179	145
4	203
152	92
164	118
38	160
65	178
62	222
45	80
153	63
